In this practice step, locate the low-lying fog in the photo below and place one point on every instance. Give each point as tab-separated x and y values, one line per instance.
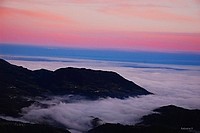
171	84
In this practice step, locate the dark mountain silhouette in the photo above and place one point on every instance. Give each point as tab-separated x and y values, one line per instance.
19	127
118	128
174	117
18	83
167	119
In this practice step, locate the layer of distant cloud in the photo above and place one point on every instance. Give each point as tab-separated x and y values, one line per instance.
178	85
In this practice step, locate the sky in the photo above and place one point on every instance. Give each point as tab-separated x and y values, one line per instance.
156	25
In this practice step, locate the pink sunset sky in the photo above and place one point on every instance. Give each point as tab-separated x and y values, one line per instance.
149	25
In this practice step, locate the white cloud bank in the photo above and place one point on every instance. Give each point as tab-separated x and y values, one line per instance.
178	85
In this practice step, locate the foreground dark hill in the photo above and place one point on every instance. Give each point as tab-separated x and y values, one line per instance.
174	117
18	83
167	119
19	127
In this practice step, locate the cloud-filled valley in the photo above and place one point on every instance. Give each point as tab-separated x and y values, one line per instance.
171	84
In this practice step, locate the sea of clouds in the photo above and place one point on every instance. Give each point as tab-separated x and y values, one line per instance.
171	84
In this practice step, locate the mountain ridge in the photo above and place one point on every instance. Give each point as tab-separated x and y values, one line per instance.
17	82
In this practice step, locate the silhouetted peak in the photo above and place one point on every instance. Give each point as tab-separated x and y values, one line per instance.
3	62
169	108
45	71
